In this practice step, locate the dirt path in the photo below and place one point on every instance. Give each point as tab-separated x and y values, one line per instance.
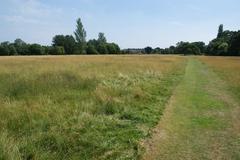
201	121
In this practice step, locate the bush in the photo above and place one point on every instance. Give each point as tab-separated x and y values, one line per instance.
91	49
102	48
4	51
36	49
57	50
12	50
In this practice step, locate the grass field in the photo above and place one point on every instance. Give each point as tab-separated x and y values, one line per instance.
201	120
82	107
228	68
120	107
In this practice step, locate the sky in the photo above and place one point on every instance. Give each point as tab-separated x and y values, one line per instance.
129	23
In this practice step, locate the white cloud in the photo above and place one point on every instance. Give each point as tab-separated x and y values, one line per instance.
36	8
19	19
31	11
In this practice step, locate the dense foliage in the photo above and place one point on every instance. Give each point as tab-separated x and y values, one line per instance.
227	43
63	45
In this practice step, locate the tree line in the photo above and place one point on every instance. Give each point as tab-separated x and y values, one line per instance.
63	45
227	43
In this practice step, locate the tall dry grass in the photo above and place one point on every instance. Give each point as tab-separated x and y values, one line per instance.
82	107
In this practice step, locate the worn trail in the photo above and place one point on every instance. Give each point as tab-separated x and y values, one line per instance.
201	120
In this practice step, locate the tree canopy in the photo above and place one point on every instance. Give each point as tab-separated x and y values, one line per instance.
226	43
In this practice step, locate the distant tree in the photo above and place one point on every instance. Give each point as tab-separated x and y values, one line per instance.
217	47
80	35
5	48
102	38
191	49
21	47
102	48
220	31
58	40
91	49
12	50
187	48
4	51
46	49
157	50
117	48
93	42
172	50
234	47
69	44
19	42
63	44
6	43
36	49
56	50
148	50
113	48
223	49
201	46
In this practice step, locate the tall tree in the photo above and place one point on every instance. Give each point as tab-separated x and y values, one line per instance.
235	45
80	36
36	49
220	31
58	40
80	33
91	49
201	46
69	44
102	38
19	42
21	47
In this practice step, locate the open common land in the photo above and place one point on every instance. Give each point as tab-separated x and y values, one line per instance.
119	107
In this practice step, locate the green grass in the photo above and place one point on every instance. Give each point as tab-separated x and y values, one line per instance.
82	107
201	122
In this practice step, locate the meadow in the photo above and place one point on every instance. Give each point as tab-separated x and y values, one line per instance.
201	120
83	107
228	68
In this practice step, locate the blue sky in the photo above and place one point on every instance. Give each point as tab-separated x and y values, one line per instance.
130	23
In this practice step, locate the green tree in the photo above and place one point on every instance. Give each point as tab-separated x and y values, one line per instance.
4	51
36	49
157	50
113	48
148	50
69	44
102	48
91	49
56	50
222	49
12	50
5	48
58	40
19	42
102	38
201	46
21	47
80	36
220	31
234	48
187	48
